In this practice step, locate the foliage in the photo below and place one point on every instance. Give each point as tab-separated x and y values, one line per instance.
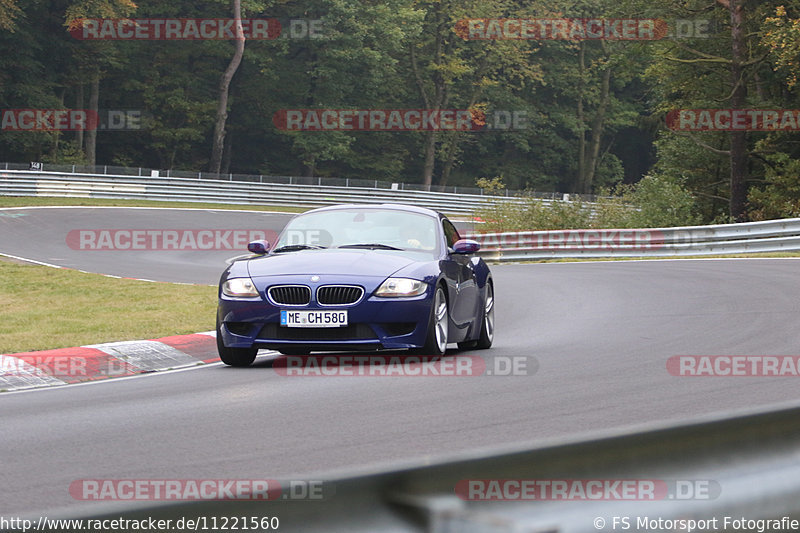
594	109
780	198
9	11
653	202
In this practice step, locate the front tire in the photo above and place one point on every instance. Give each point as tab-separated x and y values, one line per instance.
234	356
438	326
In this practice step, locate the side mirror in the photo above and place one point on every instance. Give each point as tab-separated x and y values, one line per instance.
259	247
466	246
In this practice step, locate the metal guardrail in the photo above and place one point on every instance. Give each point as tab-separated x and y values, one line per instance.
319	181
751	237
19	183
770	236
747	464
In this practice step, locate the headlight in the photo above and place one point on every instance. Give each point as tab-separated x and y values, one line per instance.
239	288
397	287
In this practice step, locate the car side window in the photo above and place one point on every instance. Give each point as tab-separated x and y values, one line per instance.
450	232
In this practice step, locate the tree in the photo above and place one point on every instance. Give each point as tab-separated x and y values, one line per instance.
713	73
224	87
94	57
450	70
738	99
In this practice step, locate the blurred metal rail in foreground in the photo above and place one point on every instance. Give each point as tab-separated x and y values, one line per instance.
750	462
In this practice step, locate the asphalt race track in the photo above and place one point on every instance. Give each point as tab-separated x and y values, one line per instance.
44	234
52	235
598	336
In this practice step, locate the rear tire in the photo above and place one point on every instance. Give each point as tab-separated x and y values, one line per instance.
234	356
487	324
438	324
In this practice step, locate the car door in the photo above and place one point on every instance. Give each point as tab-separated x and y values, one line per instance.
464	288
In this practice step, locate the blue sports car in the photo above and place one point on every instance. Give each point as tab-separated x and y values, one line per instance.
357	277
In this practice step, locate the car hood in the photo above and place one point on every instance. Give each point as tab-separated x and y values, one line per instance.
334	262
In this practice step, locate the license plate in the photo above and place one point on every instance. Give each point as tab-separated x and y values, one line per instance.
314	319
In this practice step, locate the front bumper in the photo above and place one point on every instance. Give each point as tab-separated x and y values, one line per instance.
373	323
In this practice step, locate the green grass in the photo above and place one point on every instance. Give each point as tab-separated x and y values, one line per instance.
30	201
44	308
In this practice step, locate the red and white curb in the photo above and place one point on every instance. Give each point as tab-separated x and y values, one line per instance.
102	361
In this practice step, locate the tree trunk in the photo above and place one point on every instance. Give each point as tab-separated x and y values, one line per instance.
430	160
226	153
581	120
224	87
738	157
91	134
598	125
450	157
456	136
56	137
79	105
439	94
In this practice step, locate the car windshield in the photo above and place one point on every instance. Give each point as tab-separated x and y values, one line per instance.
384	229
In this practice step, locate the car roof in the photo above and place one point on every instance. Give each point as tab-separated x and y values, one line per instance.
393	207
